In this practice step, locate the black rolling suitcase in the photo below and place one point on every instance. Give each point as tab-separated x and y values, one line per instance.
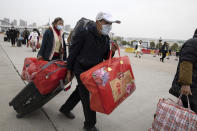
5	38
30	99
19	43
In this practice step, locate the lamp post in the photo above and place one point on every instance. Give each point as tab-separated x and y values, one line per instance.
160	40
112	34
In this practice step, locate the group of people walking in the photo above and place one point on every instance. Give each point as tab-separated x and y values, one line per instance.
24	37
163	50
12	35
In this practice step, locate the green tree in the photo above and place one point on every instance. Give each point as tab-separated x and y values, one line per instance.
125	42
115	41
118	38
152	45
174	47
159	45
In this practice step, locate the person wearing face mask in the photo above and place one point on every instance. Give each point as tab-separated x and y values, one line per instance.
89	47
33	40
53	44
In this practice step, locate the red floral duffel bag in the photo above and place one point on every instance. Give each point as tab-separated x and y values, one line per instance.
30	68
109	83
49	76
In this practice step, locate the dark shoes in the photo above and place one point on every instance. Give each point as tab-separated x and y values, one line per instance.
161	60
155	116
69	114
90	129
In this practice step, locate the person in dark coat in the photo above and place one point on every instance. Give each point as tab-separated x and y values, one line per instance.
185	80
89	47
8	34
26	34
164	50
13	36
53	44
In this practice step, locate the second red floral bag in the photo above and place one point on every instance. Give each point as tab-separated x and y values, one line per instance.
109	83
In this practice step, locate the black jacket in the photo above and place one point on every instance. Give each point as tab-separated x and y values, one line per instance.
164	49
13	33
187	53
87	49
47	45
26	33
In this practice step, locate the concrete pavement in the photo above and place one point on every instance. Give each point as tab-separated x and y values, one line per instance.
10	85
153	80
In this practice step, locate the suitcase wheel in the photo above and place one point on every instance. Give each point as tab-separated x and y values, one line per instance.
19	115
10	103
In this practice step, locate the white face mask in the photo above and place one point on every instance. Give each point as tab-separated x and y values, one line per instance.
106	29
59	27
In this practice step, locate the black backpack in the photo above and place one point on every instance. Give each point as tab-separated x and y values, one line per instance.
81	25
136	46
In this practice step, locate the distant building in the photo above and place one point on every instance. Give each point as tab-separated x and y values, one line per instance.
23	23
6	21
67	28
14	22
33	25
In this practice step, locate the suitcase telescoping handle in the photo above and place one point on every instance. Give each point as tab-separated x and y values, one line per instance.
65	87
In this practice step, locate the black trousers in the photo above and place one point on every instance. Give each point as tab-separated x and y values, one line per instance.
13	41
25	40
81	93
163	55
56	57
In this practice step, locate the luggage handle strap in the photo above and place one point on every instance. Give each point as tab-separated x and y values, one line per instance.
47	76
188	102
189	107
52	62
110	55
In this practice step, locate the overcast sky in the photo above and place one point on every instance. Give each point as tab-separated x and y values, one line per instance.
173	19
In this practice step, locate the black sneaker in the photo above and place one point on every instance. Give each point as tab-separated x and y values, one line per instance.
90	129
69	114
